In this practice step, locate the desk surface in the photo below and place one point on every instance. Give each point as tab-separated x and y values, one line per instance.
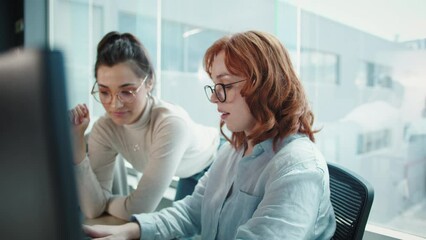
104	220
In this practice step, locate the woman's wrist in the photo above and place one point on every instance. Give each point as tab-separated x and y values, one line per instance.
132	230
79	150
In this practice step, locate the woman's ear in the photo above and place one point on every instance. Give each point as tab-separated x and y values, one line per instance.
149	85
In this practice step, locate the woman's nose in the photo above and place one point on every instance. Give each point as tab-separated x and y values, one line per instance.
116	102
213	98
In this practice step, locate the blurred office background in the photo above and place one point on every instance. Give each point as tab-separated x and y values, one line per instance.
362	63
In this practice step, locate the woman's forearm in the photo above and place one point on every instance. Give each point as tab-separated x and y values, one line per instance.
93	200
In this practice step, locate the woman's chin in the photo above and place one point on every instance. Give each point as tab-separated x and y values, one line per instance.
120	121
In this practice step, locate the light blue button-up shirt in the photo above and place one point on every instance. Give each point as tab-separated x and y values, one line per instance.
266	195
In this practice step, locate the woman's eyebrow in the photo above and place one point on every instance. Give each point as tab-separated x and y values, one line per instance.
222	75
127	85
101	85
121	86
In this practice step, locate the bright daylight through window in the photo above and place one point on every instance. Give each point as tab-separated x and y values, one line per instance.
362	63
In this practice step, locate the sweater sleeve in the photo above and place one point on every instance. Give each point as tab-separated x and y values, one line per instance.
170	141
95	176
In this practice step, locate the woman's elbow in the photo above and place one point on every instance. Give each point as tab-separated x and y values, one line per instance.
92	214
94	211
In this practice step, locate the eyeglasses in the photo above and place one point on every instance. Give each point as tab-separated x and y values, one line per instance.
219	89
125	96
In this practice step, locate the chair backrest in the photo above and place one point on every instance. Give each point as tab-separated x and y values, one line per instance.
352	198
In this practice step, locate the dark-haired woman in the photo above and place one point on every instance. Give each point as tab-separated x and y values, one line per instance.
271	181
159	139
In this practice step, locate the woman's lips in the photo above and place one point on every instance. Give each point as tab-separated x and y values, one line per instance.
223	115
119	114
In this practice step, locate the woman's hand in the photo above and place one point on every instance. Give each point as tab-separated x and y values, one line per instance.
80	118
109	232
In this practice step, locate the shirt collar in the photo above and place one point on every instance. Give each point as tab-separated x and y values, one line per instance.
267	145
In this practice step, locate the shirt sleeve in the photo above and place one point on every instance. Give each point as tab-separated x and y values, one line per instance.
181	220
171	140
290	207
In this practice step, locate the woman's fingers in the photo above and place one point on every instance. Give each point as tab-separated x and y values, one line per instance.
73	116
97	231
78	114
86	112
113	232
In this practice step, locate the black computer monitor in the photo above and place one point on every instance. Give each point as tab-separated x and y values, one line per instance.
38	198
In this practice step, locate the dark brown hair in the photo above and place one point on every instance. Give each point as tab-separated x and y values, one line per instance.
115	48
274	93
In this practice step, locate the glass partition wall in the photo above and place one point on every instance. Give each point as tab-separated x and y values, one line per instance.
365	81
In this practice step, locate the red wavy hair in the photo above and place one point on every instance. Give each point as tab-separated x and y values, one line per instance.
275	95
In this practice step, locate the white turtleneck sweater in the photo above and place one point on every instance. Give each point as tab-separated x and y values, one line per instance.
163	143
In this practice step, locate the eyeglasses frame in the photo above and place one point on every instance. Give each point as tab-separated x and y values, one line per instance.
212	88
93	92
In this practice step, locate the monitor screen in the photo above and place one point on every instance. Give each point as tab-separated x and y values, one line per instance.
38	193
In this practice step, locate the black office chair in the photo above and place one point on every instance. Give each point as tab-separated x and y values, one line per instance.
352	198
